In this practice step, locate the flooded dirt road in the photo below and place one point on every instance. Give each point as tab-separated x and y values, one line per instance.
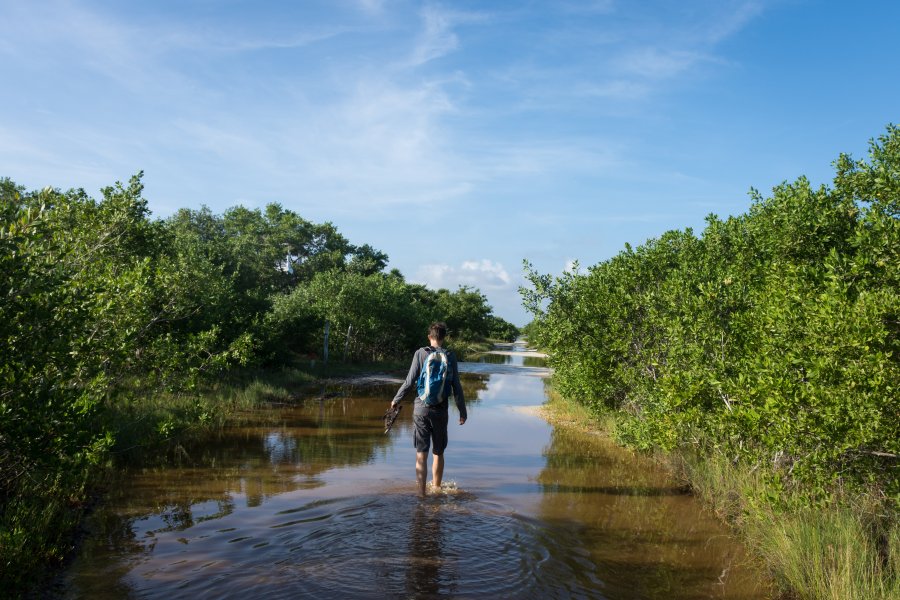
313	500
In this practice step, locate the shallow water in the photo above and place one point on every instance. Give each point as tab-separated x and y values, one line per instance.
315	501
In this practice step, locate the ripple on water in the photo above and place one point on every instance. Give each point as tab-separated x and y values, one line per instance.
451	544
380	546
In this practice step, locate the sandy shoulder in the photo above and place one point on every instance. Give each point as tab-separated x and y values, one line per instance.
536	410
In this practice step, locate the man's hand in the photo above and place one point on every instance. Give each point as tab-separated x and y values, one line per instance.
390	416
462	420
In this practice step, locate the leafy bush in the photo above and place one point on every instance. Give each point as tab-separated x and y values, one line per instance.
773	338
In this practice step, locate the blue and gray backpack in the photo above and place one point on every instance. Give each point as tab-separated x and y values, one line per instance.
433	377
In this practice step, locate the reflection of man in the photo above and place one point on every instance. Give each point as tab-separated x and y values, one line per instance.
427	567
431	421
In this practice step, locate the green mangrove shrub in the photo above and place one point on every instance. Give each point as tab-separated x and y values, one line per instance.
773	337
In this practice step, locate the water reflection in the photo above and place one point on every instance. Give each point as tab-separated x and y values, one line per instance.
518	358
643	533
280	448
314	500
426	553
494	359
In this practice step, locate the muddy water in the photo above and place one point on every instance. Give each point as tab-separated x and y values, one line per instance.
315	501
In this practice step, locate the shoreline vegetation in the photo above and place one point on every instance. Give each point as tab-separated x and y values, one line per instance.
762	359
838	551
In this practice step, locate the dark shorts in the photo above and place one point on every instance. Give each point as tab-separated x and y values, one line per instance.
431	427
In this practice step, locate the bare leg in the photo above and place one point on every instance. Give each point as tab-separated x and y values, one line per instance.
437	470
421	460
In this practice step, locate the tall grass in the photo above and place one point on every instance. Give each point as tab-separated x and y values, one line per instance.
829	554
845	549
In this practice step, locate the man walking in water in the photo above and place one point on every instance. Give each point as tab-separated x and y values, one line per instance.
431	420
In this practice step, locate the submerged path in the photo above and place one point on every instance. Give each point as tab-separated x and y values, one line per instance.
313	500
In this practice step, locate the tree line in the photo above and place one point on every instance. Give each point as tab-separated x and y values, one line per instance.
772	338
97	297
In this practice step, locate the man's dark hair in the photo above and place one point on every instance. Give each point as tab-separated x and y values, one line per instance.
438	331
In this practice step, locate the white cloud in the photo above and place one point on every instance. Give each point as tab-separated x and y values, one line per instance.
483	274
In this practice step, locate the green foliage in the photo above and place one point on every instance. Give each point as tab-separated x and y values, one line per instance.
367	261
373	316
88	303
465	311
501	329
772	338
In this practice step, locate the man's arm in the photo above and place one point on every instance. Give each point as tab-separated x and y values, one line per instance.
458	393
411	378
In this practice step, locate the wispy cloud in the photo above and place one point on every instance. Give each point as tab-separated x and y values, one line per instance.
733	21
438	37
382	143
351	135
228	43
614	89
658	63
621	54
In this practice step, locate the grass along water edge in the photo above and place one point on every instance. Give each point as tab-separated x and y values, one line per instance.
847	549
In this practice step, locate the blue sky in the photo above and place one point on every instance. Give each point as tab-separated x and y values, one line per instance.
457	137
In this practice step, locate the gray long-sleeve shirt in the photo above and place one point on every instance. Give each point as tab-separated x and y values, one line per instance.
412	377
